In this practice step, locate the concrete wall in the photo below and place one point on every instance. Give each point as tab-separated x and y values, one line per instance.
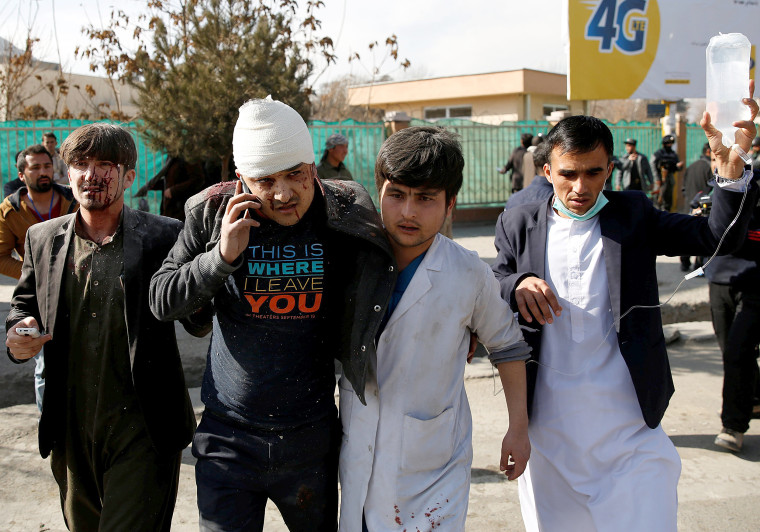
77	101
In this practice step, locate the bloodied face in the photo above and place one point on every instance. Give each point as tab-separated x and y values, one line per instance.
97	185
286	195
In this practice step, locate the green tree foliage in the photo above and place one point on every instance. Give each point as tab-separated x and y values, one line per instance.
197	61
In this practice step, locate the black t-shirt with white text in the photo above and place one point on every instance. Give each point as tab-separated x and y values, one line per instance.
269	364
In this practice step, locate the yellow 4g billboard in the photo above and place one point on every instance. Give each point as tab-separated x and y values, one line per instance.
653	49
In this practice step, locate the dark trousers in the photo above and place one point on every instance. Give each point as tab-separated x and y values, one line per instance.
131	491
686	262
666	192
736	320
239	468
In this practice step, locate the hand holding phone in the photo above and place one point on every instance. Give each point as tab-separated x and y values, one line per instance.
28	331
237	223
25	339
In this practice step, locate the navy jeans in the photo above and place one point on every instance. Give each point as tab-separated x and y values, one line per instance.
239	468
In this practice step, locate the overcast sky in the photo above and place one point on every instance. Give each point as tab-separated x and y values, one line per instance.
439	37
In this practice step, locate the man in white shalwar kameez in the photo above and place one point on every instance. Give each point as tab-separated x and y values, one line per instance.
406	455
598	385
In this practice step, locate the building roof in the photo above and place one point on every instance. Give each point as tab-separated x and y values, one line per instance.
511	82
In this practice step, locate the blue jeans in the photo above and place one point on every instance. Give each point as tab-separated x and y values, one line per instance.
240	467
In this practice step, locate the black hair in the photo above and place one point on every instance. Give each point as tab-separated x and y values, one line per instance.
526	139
423	156
541	157
50	134
106	142
35	149
580	134
706	148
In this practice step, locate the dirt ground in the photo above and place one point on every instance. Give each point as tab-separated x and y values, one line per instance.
717	491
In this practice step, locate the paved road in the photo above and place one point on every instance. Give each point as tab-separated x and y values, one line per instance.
718	490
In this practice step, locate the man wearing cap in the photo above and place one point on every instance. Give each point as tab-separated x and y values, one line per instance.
634	172
300	272
331	165
665	164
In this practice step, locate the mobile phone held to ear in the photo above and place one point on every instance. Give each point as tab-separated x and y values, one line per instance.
247	190
245	185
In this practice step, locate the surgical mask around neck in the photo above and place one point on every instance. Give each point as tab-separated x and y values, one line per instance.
601	201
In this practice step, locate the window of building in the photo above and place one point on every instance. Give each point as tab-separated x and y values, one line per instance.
458	111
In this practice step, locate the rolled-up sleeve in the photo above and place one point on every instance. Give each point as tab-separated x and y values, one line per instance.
495	325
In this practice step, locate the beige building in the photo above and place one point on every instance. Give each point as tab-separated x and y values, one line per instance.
85	97
487	98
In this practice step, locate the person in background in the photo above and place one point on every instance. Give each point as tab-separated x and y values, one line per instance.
528	165
696	181
37	200
735	310
665	164
634	172
540	189
178	179
755	153
515	163
14	184
60	171
331	165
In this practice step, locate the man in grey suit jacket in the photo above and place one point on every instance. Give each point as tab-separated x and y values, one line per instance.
116	413
634	171
599	382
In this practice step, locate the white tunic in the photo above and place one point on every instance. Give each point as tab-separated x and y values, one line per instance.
594	463
406	456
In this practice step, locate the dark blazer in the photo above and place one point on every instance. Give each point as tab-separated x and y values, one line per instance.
634	233
154	358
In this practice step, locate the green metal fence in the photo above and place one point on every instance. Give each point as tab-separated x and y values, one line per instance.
485	147
648	136
15	136
364	141
695	140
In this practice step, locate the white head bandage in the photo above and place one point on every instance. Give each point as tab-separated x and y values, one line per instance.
270	137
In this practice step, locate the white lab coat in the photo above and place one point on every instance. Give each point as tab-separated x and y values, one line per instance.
406	456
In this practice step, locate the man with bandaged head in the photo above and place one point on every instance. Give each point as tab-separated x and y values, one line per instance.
299	272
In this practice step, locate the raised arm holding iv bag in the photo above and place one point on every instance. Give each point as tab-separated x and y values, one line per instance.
727	80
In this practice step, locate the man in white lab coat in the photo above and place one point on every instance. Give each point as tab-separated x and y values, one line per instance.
406	455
